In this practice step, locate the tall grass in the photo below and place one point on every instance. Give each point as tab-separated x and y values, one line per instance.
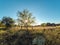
15	36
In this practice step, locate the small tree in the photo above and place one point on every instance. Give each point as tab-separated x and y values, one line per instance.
8	21
25	18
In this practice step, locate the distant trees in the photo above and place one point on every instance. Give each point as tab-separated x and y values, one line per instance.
43	24
48	24
8	21
25	18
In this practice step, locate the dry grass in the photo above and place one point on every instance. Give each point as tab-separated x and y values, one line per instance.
36	28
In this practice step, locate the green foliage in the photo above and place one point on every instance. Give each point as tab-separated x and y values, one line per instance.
25	18
43	24
7	21
49	24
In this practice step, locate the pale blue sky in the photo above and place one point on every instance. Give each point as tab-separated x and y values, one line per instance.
43	10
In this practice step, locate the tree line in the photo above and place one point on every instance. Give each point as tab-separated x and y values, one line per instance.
25	18
50	24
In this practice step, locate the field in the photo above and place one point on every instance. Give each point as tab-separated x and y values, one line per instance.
37	28
17	35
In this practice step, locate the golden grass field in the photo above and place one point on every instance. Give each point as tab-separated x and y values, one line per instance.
51	33
37	28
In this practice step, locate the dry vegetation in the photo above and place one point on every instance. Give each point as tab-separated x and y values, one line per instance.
14	34
37	28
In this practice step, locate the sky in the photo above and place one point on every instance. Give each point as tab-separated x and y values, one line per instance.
43	10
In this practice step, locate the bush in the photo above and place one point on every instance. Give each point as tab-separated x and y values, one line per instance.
23	37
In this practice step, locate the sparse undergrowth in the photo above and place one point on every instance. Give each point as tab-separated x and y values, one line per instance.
23	37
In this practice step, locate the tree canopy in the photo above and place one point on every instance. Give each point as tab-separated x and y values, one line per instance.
8	21
25	18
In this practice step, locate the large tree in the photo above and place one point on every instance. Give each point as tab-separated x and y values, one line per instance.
25	18
8	21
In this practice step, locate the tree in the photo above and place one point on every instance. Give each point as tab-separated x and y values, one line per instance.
25	18
8	21
48	24
43	24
